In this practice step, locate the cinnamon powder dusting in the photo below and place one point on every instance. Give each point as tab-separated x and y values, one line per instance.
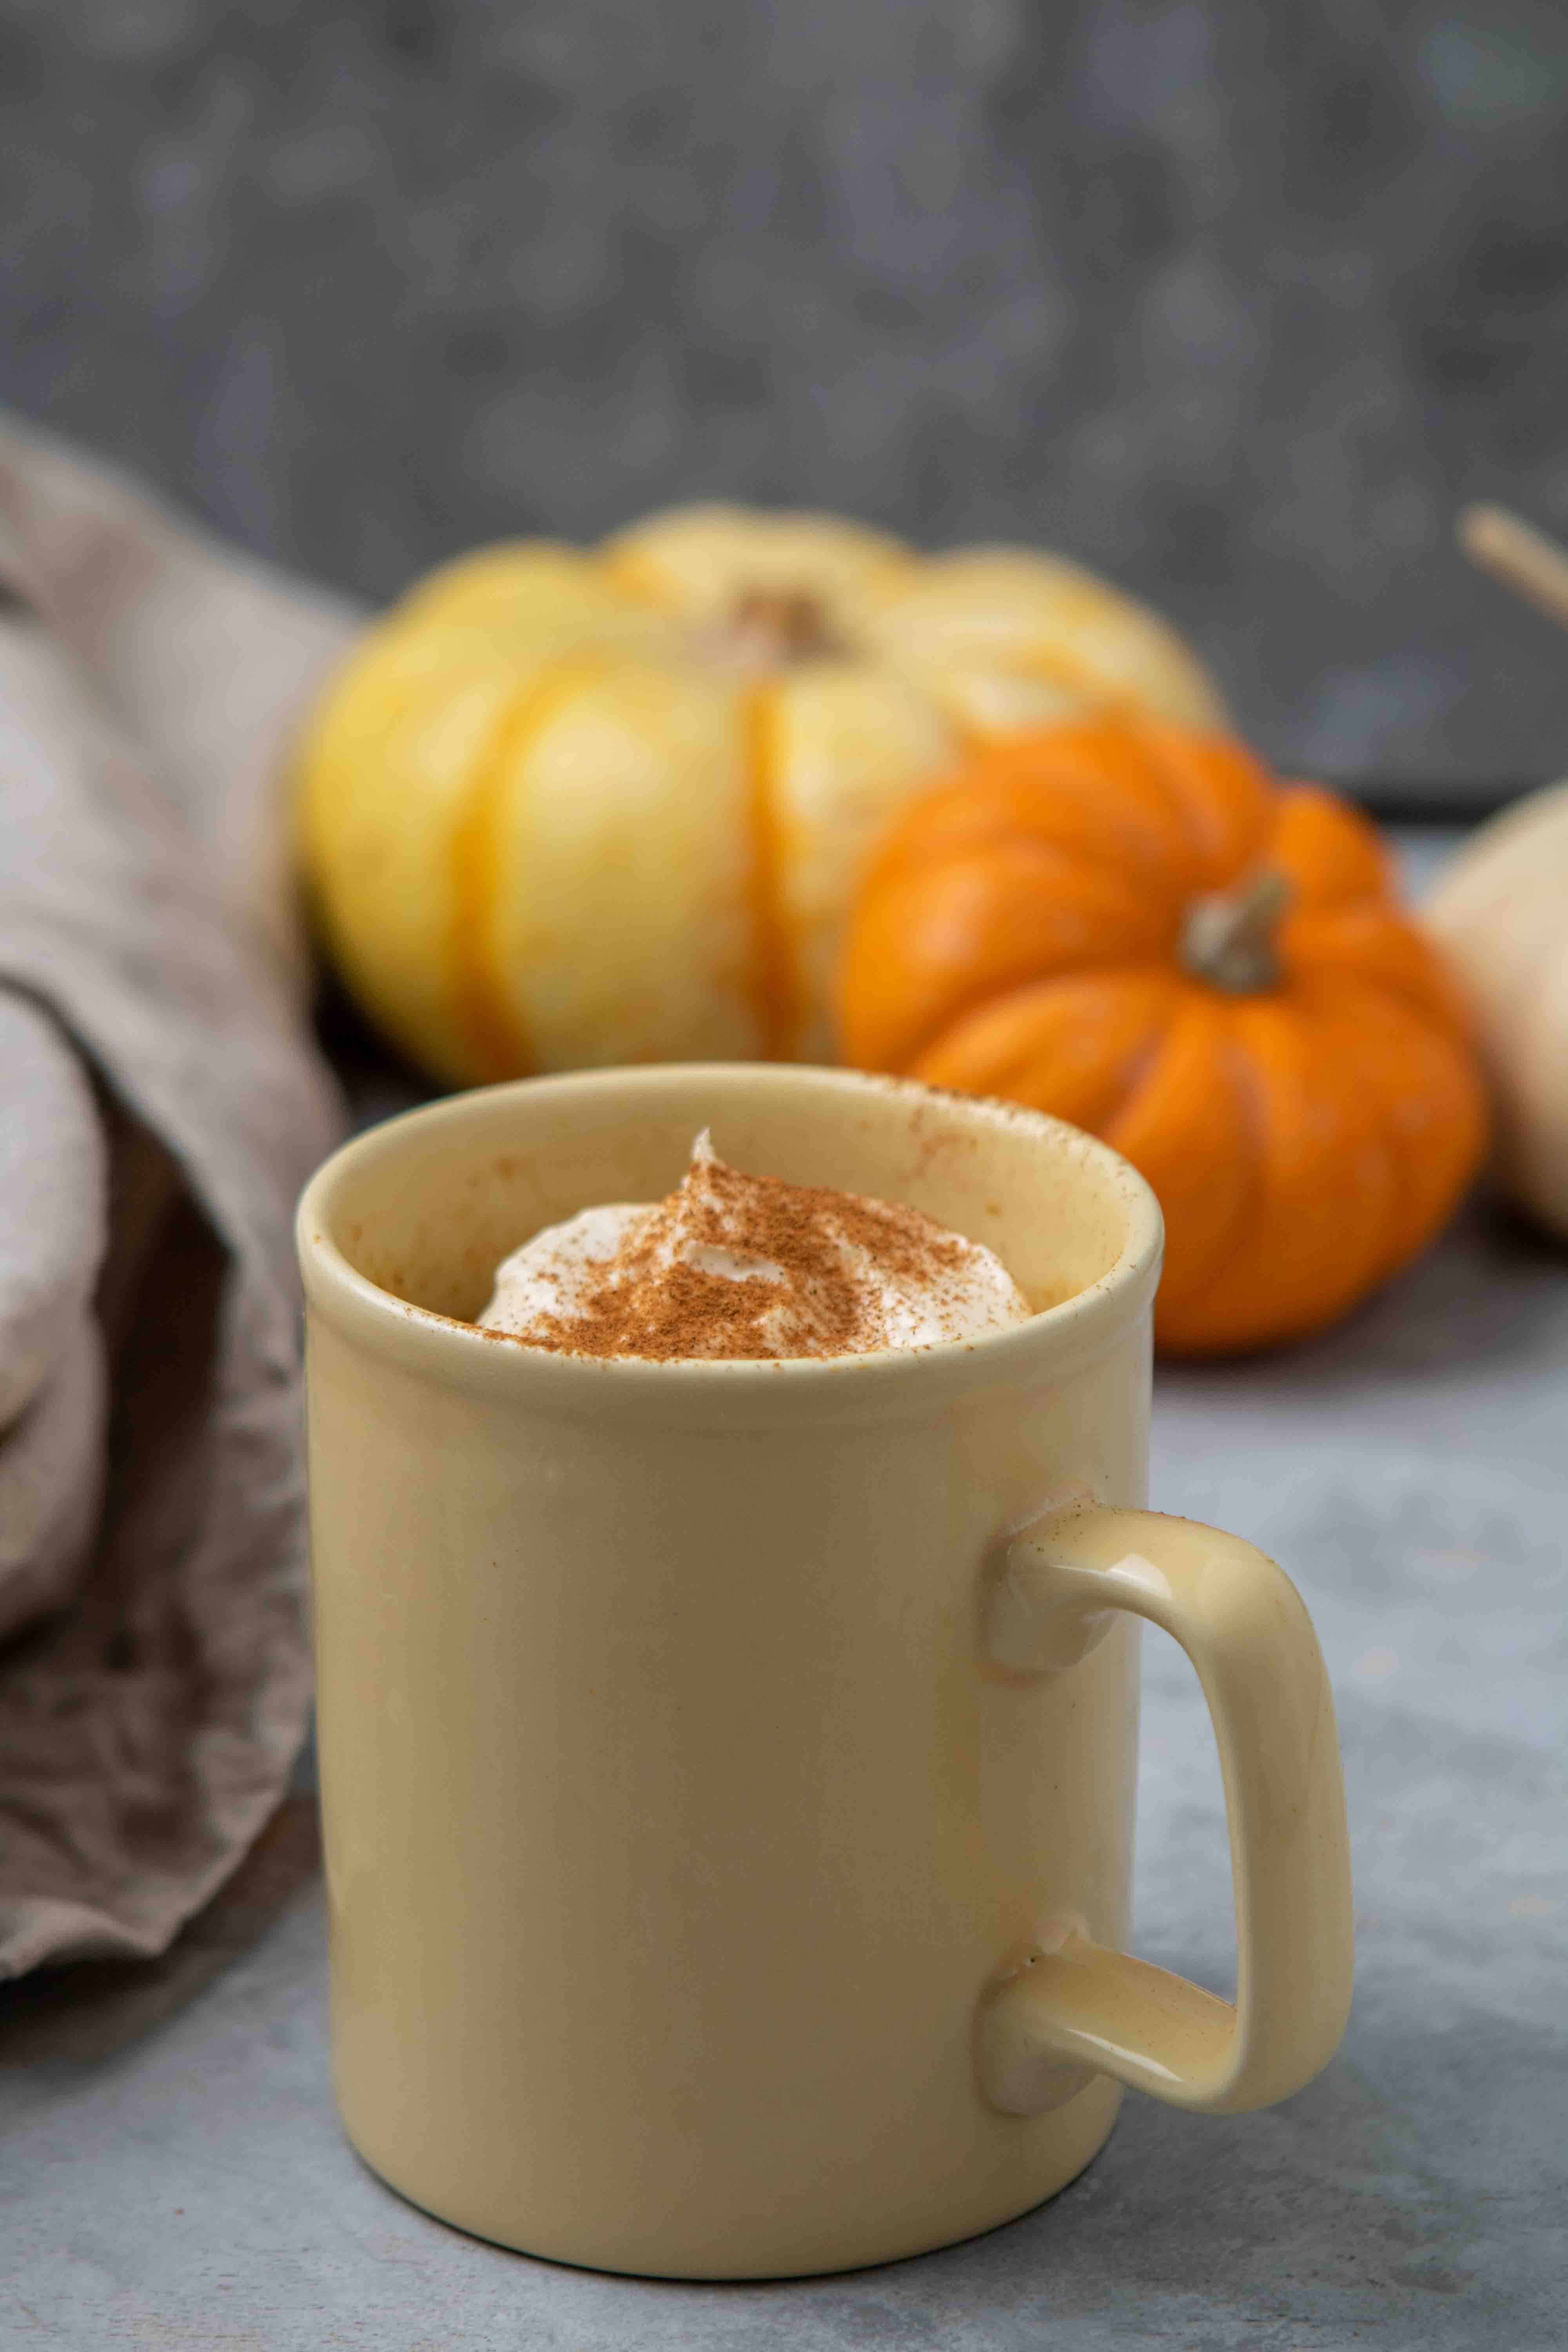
741	1266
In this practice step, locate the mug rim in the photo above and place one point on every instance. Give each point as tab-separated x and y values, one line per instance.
884	1381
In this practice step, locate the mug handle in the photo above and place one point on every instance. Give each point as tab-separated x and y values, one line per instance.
1244	1626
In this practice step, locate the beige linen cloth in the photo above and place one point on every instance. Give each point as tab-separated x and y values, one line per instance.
160	1107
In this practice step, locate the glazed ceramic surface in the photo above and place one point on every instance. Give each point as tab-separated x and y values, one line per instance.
727	1769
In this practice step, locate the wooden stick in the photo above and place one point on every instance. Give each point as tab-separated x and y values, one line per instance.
1524	558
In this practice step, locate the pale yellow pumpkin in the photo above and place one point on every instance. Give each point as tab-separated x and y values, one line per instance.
566	808
1499	911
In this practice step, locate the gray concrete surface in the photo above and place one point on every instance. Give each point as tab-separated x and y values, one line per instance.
1234	303
171	2174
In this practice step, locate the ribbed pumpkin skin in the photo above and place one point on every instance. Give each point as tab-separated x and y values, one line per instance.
563	808
1499	913
1019	934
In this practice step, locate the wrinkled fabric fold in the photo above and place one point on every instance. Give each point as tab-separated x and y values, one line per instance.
162	1105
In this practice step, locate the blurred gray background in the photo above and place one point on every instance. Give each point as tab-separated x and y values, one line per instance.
1236	302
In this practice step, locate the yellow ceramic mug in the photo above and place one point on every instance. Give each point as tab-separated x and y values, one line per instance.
727	1769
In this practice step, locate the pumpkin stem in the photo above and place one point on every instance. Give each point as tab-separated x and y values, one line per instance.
773	628
1228	938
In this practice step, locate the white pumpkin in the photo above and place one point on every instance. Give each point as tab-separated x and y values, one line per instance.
569	807
1501	914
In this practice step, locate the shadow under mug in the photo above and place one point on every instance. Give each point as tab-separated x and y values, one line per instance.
727	1769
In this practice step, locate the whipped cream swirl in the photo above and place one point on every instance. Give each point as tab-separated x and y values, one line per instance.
745	1266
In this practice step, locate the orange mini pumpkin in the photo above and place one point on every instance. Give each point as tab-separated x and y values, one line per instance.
1129	925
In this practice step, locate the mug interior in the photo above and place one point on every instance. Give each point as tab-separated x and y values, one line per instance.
426	1207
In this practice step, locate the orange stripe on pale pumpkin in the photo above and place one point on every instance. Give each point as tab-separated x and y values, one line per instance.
484	1004
774	978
